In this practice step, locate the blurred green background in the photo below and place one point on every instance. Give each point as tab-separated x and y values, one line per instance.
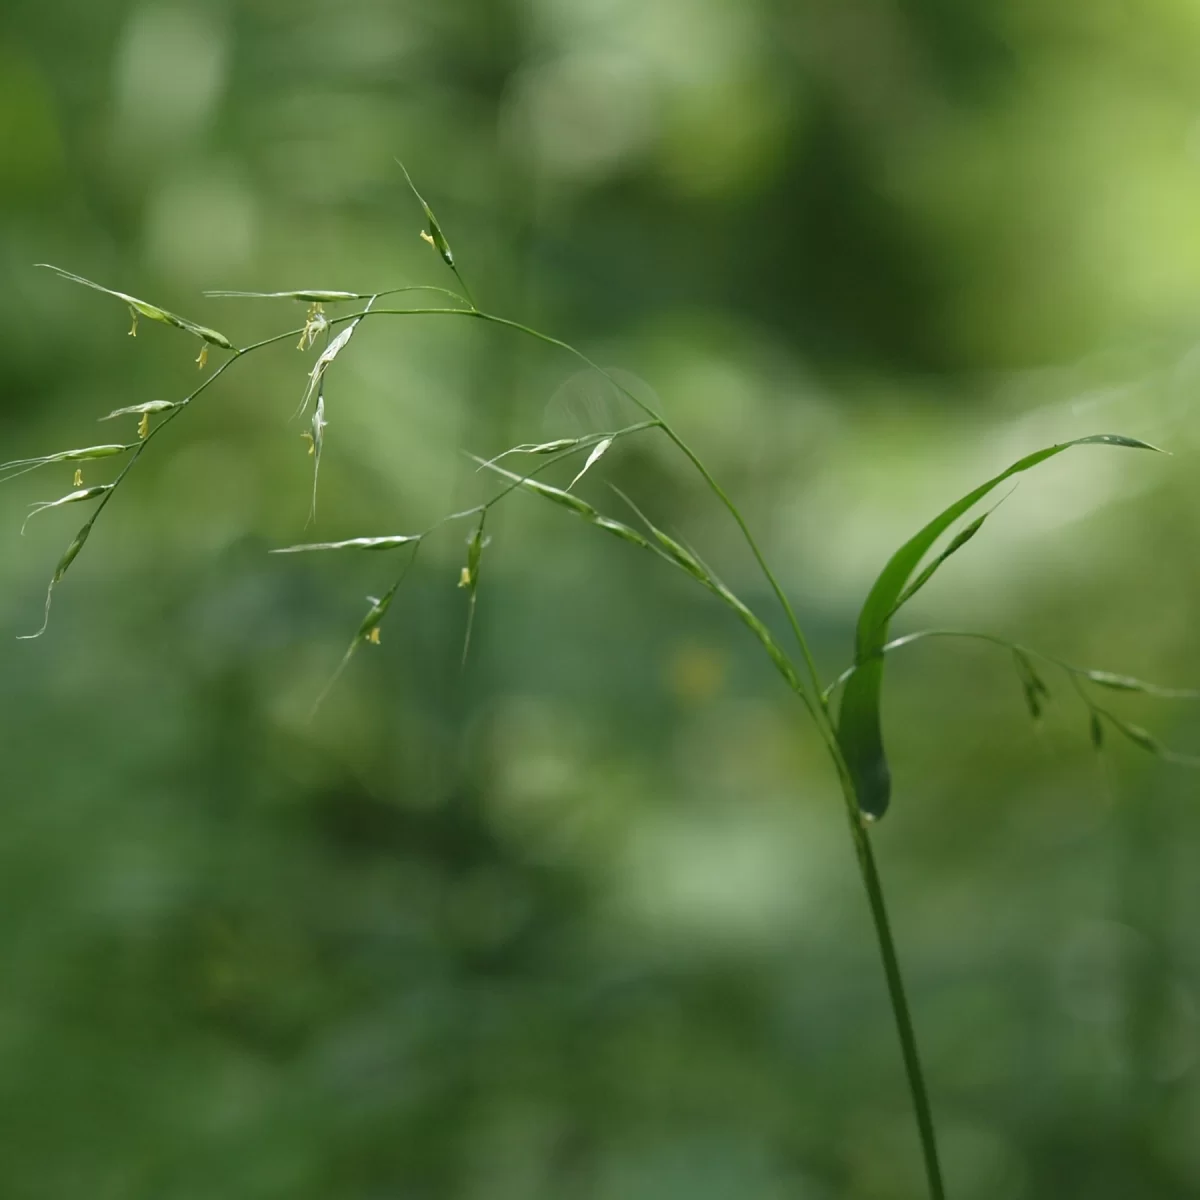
583	920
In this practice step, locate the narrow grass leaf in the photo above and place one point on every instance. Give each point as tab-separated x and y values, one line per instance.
860	733
150	311
956	544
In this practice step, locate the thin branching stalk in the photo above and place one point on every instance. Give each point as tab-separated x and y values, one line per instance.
857	755
853	738
810	692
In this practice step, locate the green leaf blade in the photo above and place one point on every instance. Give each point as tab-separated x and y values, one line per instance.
859	724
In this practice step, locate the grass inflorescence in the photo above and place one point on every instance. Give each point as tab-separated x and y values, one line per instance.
852	733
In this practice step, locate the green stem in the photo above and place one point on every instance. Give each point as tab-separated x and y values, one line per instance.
858	832
899	1000
463	284
713	485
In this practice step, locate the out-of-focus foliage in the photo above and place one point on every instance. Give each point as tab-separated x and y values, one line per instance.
582	919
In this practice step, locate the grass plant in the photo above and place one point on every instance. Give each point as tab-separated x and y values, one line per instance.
847	712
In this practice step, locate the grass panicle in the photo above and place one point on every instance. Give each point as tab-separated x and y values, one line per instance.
853	738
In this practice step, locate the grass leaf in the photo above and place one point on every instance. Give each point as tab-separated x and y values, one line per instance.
859	727
956	544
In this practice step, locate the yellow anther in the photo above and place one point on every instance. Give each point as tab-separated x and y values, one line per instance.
314	321
373	636
144	426
78	480
202	357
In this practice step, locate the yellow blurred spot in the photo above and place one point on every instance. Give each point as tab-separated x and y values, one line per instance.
464	579
144	425
373	636
426	238
78	480
694	673
202	357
